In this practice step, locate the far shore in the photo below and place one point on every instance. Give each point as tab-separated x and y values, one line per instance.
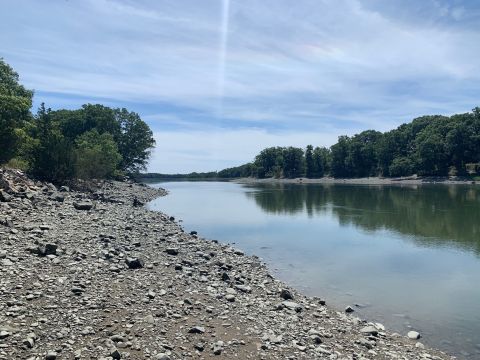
412	180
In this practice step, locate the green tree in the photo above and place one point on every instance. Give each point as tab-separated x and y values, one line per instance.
321	162
269	163
309	163
293	162
52	155
340	152
15	103
96	155
135	140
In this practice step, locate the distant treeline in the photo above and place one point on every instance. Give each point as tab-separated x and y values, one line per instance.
94	141
428	146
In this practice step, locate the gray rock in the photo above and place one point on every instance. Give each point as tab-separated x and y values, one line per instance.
83	205
47	249
29	342
134	263
172	251
6	262
4	197
51	355
218	348
114	353
197	330
244	288
162	356
286	294
413	335
369	330
349	309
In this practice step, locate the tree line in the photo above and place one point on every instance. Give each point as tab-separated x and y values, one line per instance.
94	141
428	146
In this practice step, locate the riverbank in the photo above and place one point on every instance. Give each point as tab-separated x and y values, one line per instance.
94	274
413	180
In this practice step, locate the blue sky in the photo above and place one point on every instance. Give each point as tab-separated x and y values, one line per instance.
219	80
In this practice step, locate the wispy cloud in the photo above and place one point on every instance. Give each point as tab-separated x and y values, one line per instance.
314	66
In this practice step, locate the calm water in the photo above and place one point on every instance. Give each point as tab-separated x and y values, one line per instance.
408	256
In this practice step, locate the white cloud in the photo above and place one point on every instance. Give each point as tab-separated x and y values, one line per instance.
306	66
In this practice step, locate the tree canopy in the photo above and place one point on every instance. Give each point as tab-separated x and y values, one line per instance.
94	141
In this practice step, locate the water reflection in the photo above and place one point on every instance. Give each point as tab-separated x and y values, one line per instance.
410	253
437	215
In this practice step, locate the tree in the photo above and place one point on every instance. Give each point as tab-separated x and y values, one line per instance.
15	103
96	155
340	151
52	155
309	164
135	140
269	163
321	162
293	162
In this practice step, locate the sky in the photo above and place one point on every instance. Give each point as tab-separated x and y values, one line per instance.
219	80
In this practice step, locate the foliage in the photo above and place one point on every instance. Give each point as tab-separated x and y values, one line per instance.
135	140
15	103
52	155
93	141
96	155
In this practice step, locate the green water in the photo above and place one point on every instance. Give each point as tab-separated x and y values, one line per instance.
407	256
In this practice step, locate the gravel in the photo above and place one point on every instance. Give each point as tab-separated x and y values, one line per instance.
92	274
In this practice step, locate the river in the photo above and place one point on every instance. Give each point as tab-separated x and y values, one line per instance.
405	256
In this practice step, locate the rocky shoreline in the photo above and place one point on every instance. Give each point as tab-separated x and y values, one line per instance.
93	274
411	180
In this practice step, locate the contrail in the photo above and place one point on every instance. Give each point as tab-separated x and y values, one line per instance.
222	55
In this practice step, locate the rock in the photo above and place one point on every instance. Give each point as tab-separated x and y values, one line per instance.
115	354
51	355
413	335
172	251
367	343
193	232
292	306
83	205
47	249
199	346
29	342
243	288
4	334
6	262
162	356
286	294
218	348
134	263
149	319
349	309
117	338
4	197
230	297
369	330
197	330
